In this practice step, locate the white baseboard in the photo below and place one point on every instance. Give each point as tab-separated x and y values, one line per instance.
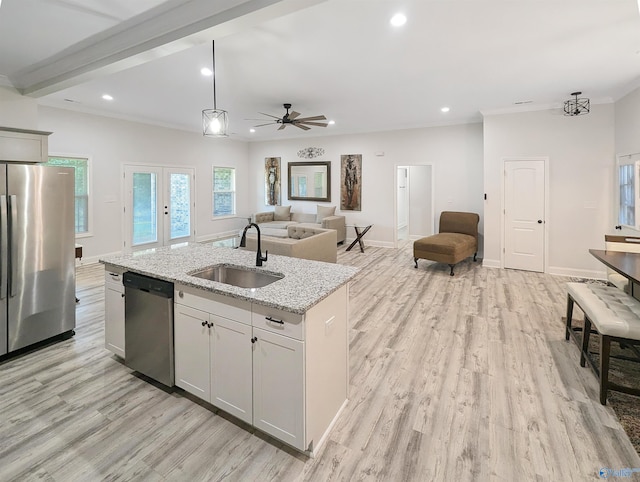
367	242
95	259
578	273
491	263
214	237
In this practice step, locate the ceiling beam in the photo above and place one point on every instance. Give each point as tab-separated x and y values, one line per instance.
168	28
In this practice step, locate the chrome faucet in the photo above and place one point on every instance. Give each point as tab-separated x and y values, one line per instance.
243	243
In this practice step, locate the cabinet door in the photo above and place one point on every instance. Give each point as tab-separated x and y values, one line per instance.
278	387
231	367
114	318
191	351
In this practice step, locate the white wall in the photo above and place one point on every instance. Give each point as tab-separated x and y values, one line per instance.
454	151
16	110
581	168
420	202
111	143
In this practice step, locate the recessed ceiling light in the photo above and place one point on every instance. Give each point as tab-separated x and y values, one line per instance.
445	109
206	72
252	130
398	20
331	122
107	97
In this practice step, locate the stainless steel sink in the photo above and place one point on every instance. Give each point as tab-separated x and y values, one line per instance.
241	277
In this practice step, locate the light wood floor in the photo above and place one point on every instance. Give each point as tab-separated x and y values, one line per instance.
452	379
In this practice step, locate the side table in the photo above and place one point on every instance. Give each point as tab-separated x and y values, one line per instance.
360	232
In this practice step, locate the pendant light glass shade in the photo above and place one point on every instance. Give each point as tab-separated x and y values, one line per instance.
215	122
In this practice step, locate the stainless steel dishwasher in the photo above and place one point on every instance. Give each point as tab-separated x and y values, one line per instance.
148	326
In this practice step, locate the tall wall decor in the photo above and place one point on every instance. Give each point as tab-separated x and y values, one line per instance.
272	181
351	182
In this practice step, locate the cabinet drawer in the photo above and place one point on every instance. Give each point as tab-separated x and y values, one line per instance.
282	322
225	306
114	279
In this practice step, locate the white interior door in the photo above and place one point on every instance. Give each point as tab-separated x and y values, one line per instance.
159	205
524	211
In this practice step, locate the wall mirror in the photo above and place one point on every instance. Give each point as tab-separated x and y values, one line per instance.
309	181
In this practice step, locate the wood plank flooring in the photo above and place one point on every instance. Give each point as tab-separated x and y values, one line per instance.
464	378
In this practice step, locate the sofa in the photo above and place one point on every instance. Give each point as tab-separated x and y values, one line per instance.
457	240
297	241
282	217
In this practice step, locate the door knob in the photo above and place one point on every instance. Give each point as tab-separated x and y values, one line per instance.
539	221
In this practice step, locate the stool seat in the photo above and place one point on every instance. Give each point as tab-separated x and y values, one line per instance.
615	315
612	311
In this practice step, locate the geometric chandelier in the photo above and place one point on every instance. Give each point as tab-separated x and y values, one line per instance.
215	122
576	106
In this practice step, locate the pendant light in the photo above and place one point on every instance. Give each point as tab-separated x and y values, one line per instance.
215	122
576	106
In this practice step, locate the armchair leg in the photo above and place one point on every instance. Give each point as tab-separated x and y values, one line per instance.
415	260
474	256
451	266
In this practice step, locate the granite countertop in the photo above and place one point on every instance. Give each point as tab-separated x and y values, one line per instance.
305	282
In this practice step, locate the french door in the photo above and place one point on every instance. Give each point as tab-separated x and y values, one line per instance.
159	205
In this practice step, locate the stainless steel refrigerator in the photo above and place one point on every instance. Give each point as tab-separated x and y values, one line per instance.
37	258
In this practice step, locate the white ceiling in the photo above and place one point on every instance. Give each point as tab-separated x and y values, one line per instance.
340	58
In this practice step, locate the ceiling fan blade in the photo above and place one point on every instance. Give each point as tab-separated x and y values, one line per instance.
314	118
268	115
269	124
282	127
318	124
301	126
293	115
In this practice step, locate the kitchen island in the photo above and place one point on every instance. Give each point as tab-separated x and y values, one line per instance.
275	357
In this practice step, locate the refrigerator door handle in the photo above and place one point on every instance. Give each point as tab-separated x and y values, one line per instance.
13	209
4	247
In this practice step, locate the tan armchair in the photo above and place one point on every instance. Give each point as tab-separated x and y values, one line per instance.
457	240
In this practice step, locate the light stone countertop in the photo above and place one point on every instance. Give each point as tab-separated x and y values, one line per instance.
305	282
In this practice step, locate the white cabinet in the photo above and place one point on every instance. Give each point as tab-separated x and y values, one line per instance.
213	351
191	357
278	387
284	373
231	367
23	145
114	312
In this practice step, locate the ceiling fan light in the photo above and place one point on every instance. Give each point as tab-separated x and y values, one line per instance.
215	123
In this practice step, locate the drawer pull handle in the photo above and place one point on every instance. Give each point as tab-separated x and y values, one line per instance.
280	322
254	339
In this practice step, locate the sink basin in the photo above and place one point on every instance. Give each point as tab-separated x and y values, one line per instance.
240	277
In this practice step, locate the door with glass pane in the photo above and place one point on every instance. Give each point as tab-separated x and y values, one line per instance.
178	206
158	206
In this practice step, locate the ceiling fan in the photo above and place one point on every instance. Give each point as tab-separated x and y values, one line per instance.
294	120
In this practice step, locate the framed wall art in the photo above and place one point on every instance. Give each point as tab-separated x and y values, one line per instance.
351	182
272	181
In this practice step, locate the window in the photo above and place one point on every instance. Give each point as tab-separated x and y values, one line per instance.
224	191
626	191
81	166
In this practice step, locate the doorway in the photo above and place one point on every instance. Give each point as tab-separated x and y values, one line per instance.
414	202
524	214
159	206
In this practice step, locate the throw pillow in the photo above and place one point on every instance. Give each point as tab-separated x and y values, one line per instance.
324	212
282	213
